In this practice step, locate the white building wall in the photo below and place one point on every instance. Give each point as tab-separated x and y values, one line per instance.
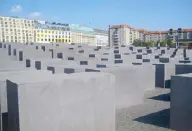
101	40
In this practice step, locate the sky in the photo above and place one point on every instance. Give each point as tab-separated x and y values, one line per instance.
139	14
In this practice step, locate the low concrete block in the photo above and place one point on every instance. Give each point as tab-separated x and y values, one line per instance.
83	101
164	59
163	75
117	56
181	99
183	68
139	56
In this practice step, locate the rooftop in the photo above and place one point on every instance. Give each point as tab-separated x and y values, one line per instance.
146	31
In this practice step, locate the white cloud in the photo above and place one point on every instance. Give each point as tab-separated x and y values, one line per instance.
34	14
16	8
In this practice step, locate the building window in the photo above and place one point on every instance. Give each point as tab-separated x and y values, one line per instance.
65	40
41	39
41	31
45	39
45	31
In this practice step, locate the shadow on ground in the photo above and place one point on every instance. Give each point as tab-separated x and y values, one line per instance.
163	97
160	118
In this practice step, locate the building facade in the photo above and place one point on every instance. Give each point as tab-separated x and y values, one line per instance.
101	37
14	29
122	35
125	35
82	34
46	32
156	36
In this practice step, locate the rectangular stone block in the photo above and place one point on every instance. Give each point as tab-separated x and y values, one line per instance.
139	56
83	62
156	56
163	75
3	90
126	53
164	59
146	60
79	102
81	51
91	55
117	56
105	53
14	52
60	55
70	58
131	48
139	50
43	48
137	63
8	65
184	61
181	99
183	68
162	51
104	59
118	61
116	51
149	51
9	49
131	82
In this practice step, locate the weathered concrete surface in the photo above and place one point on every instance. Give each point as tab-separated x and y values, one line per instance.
64	102
181	99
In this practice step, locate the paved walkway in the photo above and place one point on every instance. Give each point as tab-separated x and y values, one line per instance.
152	115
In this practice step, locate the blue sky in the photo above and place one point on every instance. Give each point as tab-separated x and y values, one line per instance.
147	14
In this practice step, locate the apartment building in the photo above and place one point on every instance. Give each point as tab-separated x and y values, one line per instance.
156	35
15	29
119	35
125	35
101	37
47	32
82	34
184	36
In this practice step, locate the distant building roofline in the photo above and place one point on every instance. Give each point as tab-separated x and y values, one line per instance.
120	26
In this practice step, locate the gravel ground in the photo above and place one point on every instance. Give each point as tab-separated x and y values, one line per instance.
152	115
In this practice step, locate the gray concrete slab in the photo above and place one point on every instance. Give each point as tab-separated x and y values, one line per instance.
163	74
68	103
180	109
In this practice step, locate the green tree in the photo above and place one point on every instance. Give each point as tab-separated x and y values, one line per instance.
149	44
164	43
170	43
137	42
